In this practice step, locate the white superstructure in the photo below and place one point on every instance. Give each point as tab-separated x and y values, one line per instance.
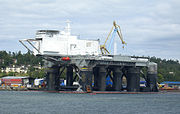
63	43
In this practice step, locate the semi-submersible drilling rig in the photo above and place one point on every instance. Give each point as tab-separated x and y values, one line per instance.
88	63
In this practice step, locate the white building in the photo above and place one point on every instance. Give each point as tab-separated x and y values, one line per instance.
13	68
63	43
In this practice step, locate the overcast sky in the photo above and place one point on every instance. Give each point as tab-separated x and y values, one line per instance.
150	27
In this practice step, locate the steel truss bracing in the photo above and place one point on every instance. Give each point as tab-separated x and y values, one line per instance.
78	78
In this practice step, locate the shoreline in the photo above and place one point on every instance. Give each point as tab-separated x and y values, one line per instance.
93	92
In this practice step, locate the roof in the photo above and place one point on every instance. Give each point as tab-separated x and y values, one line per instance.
169	82
52	31
14	77
142	82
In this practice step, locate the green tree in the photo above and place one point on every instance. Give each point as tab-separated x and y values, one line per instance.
160	78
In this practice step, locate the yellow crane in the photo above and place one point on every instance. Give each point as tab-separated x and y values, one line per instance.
117	29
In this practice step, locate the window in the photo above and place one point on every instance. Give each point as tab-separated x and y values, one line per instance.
88	44
72	46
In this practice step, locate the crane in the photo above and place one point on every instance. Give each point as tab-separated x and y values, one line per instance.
117	29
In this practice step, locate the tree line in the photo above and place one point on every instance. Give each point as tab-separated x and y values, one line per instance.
12	58
168	70
28	60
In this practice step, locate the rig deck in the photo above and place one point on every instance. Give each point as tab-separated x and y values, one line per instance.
91	72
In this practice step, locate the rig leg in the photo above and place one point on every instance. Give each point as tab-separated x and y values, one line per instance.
69	76
102	79
133	79
152	77
95	72
117	79
53	78
86	81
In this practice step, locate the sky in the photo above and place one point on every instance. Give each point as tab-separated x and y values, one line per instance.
149	27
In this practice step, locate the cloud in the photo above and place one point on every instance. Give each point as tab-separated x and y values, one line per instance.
146	26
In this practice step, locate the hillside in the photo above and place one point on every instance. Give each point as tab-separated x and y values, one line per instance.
168	70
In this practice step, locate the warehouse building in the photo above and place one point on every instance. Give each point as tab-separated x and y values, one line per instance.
15	81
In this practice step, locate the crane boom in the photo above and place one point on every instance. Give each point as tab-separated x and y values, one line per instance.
118	30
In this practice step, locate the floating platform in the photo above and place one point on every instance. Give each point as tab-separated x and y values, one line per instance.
83	63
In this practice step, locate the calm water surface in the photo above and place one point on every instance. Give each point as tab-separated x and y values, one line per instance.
24	102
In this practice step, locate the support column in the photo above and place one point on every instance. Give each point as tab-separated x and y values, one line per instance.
86	81
152	77
96	72
133	79
117	79
53	78
102	79
69	76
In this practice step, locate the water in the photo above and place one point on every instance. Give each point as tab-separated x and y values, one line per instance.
26	102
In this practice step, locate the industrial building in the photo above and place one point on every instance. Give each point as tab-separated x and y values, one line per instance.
170	85
16	81
87	62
